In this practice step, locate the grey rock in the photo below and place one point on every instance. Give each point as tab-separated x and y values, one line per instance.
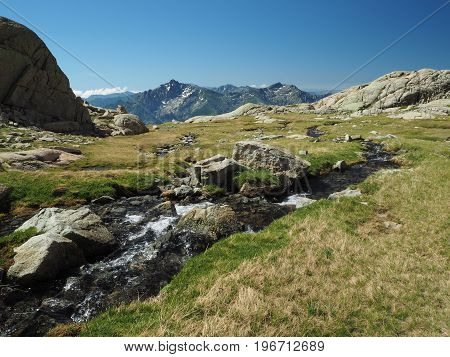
44	257
217	170
183	191
395	89
82	226
255	155
164	209
340	166
4	195
103	200
215	221
37	158
33	90
128	124
345	193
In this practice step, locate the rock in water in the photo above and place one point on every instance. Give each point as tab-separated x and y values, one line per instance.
33	89
258	156
216	221
43	257
81	226
217	170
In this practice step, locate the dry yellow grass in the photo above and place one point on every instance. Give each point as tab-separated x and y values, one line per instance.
341	272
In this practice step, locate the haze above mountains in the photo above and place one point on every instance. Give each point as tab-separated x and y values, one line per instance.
180	101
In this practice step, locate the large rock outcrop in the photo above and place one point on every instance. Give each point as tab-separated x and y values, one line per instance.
33	89
392	90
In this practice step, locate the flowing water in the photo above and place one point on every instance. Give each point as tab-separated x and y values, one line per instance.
147	257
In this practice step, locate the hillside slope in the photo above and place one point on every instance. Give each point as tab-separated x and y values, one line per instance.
374	265
394	89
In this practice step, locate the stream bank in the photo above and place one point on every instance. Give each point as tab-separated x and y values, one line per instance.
150	252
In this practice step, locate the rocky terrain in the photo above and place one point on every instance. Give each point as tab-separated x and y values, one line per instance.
324	218
179	101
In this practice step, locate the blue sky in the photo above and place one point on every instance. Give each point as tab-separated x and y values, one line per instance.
140	44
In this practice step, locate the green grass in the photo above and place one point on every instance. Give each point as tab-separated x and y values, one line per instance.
50	188
213	190
9	242
256	177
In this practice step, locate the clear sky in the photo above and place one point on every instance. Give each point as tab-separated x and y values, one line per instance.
141	44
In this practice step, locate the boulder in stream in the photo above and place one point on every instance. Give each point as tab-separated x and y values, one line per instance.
215	221
259	156
44	257
81	226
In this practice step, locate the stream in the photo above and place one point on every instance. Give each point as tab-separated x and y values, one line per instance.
149	254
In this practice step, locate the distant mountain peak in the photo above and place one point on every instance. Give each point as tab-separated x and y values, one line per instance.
180	101
276	85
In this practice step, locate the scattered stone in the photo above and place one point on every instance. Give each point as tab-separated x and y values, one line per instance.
73	151
44	257
340	166
345	193
296	136
255	213
37	158
269	137
4	196
303	152
49	139
103	200
392	225
183	191
164	209
57	308
349	138
121	109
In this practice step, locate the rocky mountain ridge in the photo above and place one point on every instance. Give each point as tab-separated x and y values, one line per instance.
422	94
179	101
